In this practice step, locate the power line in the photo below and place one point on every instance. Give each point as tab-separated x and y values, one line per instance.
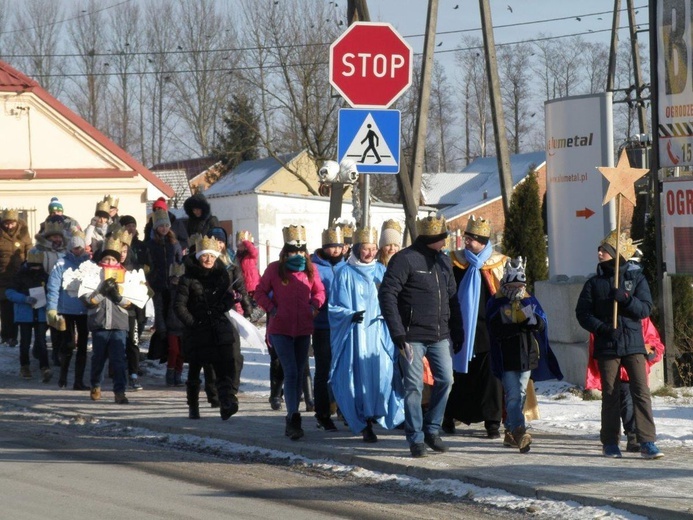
319	44
58	22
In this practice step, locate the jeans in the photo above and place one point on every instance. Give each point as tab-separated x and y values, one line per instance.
416	423
109	344
292	353
323	359
515	390
40	350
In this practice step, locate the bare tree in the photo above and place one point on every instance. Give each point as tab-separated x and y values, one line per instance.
513	62
35	38
124	42
87	38
476	99
284	66
442	120
595	55
206	38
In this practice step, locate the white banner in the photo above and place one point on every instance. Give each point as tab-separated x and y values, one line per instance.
677	220
579	138
674	82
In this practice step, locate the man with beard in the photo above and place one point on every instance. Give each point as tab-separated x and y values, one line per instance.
329	260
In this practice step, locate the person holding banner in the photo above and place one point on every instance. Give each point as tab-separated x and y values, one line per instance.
620	346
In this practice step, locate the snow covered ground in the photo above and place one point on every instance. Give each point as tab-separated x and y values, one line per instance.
563	411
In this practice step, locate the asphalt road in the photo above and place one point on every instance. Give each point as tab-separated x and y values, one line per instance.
61	470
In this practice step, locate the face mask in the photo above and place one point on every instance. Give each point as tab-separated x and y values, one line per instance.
296	263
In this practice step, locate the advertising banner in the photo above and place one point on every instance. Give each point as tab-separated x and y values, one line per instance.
579	138
674	82
677	220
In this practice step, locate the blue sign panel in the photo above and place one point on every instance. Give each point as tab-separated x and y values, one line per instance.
370	138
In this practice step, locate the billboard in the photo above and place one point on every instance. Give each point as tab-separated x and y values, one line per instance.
674	82
579	138
677	220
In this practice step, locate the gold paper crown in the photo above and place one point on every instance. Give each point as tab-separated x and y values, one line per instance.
366	236
294	235
102	206
34	256
111	200
206	244
244	235
478	226
123	235
176	270
112	244
52	228
626	247
391	224
75	232
10	214
332	235
431	225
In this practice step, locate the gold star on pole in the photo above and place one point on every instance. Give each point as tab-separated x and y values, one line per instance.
621	179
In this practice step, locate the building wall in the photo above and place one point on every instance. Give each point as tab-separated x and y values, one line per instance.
285	182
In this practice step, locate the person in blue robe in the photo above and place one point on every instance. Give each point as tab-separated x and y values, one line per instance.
364	374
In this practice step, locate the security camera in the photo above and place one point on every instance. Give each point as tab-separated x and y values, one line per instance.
329	172
348	173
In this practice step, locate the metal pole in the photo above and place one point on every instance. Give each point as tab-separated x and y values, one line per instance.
503	156
664	301
611	78
421	127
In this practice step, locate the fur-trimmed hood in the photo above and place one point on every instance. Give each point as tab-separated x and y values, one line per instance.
197	201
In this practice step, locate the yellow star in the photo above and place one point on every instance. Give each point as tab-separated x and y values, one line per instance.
621	179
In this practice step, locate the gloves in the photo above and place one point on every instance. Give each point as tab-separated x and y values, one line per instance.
30	300
619	294
357	317
52	316
457	347
400	342
109	288
610	333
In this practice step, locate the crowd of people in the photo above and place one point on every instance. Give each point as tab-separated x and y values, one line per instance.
421	339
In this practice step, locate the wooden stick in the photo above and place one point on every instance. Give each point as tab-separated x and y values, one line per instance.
618	254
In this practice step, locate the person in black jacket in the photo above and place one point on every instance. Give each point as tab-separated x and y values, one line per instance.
622	345
199	212
419	303
204	297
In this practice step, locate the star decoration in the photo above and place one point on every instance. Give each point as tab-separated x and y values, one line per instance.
621	179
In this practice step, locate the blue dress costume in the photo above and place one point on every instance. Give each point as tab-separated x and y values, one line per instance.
364	376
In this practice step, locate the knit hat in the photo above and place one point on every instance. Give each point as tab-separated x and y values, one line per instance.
76	240
206	245
160	203
127	219
160	218
219	233
479	229
514	271
391	233
55	205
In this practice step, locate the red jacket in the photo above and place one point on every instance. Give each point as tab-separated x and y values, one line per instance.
294	301
593	380
248	263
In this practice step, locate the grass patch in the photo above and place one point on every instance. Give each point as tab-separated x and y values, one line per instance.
665	391
591	395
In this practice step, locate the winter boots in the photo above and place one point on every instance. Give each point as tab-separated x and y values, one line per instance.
80	365
228	402
633	446
508	440
369	435
308	392
25	372
192	392
522	439
276	384
293	427
95	393
170	375
120	398
46	374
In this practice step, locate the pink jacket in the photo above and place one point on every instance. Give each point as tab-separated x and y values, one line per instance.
294	301
248	263
593	380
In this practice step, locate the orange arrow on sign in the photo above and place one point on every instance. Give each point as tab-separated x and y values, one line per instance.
587	213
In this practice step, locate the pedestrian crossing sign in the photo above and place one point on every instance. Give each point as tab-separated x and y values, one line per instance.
370	138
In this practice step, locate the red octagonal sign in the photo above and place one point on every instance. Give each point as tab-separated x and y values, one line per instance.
370	65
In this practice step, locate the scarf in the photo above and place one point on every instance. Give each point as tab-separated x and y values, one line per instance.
296	263
468	295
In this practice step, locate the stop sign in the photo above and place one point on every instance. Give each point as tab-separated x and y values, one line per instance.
370	65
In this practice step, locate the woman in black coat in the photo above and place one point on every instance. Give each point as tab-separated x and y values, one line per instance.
203	299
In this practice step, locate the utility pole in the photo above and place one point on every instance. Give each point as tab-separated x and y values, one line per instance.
503	156
421	127
611	78
637	72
